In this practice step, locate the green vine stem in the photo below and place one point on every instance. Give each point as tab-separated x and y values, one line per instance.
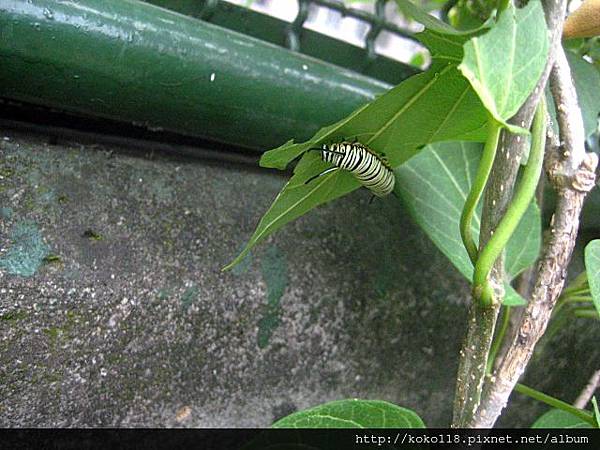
520	202
498	338
584	415
483	173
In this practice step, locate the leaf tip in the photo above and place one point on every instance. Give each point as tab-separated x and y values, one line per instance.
235	262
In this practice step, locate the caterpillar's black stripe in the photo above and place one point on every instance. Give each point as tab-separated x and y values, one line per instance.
368	168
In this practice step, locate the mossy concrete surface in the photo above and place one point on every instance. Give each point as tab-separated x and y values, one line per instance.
114	310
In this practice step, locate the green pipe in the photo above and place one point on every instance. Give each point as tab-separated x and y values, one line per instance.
276	31
131	61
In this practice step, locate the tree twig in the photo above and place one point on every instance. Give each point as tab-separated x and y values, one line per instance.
571	130
588	391
482	321
571	185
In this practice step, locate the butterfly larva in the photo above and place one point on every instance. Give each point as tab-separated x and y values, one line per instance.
370	170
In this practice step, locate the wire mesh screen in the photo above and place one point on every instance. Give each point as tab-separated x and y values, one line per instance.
375	26
370	38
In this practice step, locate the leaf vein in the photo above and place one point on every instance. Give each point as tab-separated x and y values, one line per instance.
408	104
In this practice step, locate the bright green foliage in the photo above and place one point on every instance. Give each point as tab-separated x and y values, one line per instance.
434	185
353	414
557	418
592	266
435	106
505	64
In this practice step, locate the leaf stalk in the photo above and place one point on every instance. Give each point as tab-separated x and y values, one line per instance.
497	342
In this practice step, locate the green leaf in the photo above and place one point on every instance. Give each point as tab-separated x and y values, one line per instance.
505	64
434	185
430	107
557	418
592	267
443	47
433	106
353	414
512	297
444	42
297	198
596	411
278	158
430	22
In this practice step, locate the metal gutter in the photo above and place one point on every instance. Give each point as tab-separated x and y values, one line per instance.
130	61
295	36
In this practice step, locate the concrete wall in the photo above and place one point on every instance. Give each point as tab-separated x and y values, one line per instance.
114	310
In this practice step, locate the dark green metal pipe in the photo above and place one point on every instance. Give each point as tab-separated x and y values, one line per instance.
132	61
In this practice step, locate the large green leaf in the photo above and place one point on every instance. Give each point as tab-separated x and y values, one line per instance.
557	418
278	158
434	106
434	185
592	267
353	414
297	198
437	105
505	64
